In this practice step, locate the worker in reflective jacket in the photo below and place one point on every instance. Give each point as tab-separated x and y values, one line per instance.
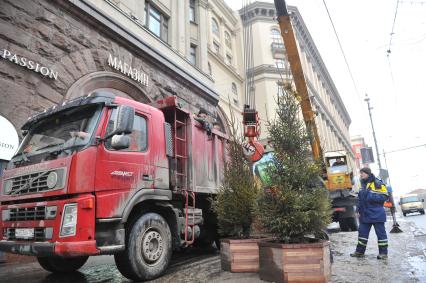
371	198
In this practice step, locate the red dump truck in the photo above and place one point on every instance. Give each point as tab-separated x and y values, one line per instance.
102	174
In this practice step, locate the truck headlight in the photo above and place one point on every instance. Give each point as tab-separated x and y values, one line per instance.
7	186
69	220
52	179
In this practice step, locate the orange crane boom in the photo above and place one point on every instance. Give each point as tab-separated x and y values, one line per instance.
299	79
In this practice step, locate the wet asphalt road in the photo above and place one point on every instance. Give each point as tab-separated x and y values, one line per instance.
418	219
406	263
100	269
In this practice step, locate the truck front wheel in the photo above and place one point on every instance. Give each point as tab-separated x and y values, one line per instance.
62	265
148	248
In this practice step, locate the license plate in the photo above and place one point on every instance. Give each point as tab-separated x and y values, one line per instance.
24	233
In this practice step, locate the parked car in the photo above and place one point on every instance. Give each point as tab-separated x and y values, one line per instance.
411	203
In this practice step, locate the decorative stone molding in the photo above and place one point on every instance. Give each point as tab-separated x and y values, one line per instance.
109	80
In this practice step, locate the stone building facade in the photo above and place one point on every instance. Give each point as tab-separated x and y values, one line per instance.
55	50
51	51
271	69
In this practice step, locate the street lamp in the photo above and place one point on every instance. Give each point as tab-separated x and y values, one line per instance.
395	227
367	99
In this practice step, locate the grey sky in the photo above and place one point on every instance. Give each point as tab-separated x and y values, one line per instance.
395	85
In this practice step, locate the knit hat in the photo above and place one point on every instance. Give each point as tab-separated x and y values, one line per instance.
366	170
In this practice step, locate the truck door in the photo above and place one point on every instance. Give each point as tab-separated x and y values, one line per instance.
121	173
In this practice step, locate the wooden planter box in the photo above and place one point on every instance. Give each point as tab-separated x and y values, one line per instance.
294	262
240	255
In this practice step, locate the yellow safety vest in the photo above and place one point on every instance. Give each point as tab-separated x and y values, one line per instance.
381	190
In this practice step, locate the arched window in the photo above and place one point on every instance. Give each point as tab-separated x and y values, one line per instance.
215	27
276	36
234	93
228	39
192	11
234	89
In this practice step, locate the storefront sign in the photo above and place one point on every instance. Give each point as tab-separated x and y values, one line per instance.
9	140
29	64
127	70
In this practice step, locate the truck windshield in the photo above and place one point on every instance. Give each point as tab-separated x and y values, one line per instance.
70	128
409	199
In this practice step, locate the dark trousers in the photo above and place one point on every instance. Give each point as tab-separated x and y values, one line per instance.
364	232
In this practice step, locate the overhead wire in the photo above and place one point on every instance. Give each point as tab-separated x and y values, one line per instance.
393	27
403	149
341	49
388	52
248	57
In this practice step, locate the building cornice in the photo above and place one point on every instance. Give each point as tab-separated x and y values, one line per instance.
323	110
269	69
308	43
225	11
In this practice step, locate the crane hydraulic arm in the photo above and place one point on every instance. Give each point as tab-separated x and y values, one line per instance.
299	79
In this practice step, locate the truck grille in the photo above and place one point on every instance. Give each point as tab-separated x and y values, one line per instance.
28	213
31	183
35	182
39	234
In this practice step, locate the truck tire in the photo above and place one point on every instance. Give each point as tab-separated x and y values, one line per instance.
348	224
405	214
148	248
422	211
61	264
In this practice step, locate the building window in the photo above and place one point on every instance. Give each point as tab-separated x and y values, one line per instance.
234	93
209	66
192	11
276	36
228	40
156	22
280	63
215	27
216	48
193	54
228	59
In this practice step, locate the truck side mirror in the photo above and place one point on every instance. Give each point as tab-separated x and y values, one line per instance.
120	142
124	122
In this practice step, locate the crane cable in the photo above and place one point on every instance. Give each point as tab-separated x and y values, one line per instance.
248	57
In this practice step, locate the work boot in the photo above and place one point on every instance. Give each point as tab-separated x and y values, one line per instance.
357	254
382	256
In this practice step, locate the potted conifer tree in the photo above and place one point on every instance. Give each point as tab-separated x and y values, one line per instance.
234	206
295	208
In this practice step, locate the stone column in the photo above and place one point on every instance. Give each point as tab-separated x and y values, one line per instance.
203	34
186	28
209	25
174	26
222	37
181	22
234	49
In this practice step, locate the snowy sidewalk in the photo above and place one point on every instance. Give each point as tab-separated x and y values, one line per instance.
406	262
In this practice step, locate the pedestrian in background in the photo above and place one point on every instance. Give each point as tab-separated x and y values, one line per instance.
371	198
